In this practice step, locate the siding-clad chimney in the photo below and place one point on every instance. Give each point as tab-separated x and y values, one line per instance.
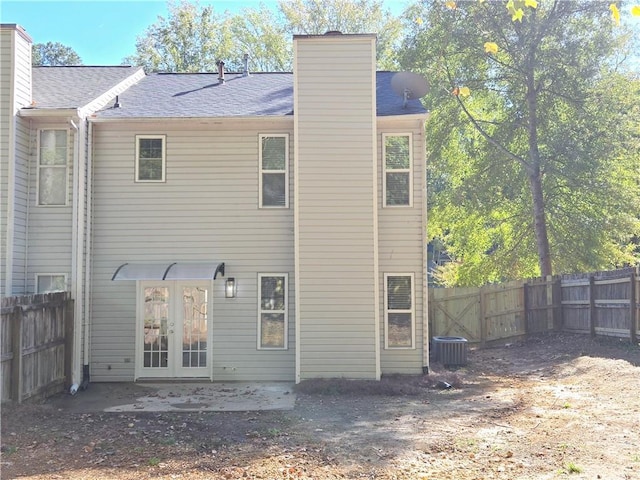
335	210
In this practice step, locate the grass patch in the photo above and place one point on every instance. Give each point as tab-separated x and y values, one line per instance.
573	468
154	461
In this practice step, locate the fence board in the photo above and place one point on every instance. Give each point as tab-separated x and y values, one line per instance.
35	346
600	303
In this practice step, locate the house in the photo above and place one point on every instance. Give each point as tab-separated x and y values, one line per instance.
231	226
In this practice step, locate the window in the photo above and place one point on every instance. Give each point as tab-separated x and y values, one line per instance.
150	158
399	311
398	187
274	171
272	311
51	282
52	167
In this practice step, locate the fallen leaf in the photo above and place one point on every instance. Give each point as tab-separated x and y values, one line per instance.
451	4
635	10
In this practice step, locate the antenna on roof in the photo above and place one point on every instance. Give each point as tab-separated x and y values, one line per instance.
409	86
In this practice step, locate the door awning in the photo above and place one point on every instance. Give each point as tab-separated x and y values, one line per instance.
169	271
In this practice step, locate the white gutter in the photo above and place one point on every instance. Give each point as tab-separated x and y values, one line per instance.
50	112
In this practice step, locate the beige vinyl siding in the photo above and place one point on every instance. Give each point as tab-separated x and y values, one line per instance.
50	228
335	113
21	206
15	93
401	245
206	210
6	54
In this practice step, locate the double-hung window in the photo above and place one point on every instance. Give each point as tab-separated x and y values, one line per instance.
52	167
150	158
397	179
50	282
272	311
274	171
399	310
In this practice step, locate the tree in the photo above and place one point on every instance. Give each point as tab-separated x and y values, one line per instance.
316	17
525	175
54	54
191	39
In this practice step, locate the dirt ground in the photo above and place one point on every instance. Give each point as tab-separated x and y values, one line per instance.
555	406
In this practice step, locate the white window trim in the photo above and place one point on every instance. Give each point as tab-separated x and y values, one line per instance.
412	311
285	311
285	171
396	170
38	275
164	157
39	167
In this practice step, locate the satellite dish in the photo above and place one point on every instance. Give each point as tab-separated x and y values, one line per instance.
409	86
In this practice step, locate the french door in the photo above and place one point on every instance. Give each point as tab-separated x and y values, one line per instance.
174	329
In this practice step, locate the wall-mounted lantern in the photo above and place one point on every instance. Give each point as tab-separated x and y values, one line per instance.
230	288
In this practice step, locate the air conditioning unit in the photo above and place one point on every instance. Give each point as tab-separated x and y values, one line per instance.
450	350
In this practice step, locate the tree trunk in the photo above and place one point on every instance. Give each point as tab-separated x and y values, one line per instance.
535	175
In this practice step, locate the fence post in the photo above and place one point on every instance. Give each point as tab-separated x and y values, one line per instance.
632	309
525	303
558	313
68	342
483	320
592	306
16	347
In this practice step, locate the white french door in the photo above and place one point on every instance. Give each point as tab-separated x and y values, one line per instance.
173	337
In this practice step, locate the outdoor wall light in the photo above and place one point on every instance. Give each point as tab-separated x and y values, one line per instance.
230	288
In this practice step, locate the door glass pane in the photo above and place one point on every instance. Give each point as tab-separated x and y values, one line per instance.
156	335
194	327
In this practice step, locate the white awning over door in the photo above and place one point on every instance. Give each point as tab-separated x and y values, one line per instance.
169	271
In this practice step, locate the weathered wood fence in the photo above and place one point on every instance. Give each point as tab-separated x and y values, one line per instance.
599	303
35	345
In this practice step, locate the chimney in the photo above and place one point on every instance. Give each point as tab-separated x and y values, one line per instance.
220	64
245	73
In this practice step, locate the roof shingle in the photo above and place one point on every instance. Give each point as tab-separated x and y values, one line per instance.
200	95
75	87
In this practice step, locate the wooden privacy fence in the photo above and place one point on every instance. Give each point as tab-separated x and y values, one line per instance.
36	345
599	303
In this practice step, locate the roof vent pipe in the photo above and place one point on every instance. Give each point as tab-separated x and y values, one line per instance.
220	64
246	73
117	102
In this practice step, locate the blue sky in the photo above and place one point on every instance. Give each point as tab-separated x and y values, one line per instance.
104	32
101	32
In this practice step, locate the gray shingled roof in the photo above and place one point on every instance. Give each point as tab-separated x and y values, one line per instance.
75	87
171	95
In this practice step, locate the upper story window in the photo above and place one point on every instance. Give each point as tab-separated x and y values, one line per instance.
397	180
150	158
274	171
52	167
47	282
399	310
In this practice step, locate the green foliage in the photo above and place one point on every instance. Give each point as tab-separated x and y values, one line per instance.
551	107
316	17
193	38
54	54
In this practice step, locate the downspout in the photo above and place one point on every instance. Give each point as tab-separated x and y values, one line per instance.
30	156
87	274
76	253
